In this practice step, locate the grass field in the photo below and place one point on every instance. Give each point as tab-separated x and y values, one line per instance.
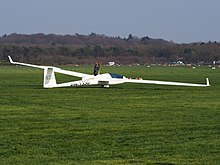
124	124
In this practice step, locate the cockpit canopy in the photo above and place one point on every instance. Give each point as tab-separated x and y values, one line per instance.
114	75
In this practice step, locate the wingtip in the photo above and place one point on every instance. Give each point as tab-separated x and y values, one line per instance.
207	82
10	59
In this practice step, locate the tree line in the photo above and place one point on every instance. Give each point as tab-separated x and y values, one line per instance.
87	49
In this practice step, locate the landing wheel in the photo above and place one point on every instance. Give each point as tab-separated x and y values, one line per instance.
105	86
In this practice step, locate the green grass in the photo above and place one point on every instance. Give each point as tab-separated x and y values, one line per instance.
125	124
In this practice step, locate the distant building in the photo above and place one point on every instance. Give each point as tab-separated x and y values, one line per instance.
179	63
111	63
217	62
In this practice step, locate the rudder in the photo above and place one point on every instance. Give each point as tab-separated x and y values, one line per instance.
49	78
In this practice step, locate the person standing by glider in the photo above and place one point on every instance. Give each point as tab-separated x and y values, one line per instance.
96	68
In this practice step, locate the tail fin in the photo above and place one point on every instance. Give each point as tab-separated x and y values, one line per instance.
49	78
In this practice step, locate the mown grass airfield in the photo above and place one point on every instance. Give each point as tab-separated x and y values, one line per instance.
123	124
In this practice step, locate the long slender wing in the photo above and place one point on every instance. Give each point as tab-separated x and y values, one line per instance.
58	70
71	73
30	65
168	83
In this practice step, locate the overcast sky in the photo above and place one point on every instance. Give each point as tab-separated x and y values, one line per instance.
177	20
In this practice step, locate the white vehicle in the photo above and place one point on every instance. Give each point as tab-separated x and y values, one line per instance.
104	80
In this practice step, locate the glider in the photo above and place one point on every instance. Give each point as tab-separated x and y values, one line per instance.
104	80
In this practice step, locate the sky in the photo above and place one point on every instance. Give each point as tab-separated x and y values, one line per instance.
181	21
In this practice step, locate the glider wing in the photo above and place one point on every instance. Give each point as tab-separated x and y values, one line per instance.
55	69
168	83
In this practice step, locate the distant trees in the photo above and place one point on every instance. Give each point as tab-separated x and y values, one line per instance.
130	37
144	40
57	49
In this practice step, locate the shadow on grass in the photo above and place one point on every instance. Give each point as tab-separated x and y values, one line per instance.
162	163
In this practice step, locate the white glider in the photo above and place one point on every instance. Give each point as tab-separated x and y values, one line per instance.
104	80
